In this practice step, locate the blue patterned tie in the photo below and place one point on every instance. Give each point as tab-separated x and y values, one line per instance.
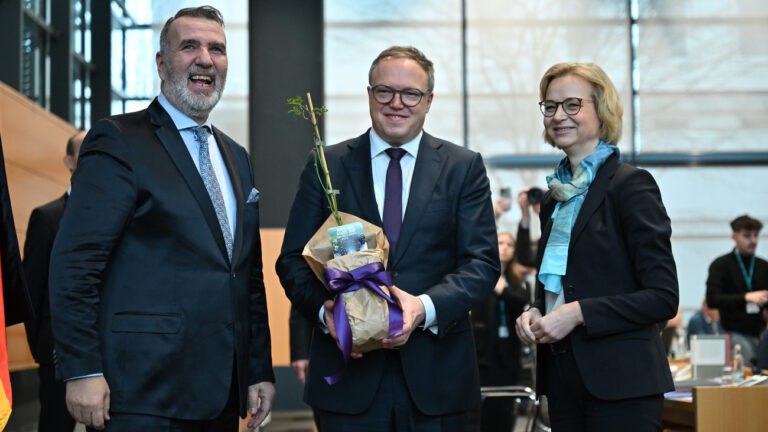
212	185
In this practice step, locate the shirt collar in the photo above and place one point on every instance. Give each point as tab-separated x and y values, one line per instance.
181	120
378	145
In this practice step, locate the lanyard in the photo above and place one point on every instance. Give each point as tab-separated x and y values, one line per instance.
502	313
747	276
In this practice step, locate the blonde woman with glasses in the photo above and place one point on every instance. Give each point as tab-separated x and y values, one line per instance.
606	272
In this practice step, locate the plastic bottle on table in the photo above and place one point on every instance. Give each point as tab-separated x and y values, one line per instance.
738	364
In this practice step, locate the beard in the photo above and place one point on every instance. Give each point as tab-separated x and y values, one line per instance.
195	105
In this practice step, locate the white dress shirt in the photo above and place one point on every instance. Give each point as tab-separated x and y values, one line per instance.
183	123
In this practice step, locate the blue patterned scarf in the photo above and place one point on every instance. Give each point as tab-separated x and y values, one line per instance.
569	190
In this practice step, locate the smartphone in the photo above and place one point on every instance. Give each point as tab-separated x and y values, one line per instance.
506	193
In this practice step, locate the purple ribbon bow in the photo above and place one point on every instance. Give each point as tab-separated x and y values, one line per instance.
369	276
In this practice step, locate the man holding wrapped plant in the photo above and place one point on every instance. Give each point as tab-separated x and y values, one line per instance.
432	199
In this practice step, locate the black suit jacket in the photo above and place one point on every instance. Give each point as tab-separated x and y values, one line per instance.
300	335
141	286
41	231
447	249
18	306
621	270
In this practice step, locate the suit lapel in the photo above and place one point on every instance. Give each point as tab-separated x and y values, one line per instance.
429	165
595	196
225	146
357	164
171	139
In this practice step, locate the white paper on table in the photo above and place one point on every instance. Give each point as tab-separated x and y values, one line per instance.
709	350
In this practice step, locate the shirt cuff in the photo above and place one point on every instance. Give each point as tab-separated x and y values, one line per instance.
321	319
84	376
430	317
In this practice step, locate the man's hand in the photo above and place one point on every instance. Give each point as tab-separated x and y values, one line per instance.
558	324
413	315
260	398
523	325
88	401
525	206
501	206
328	306
759	297
300	368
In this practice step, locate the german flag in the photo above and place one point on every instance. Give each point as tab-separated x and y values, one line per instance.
6	397
15	304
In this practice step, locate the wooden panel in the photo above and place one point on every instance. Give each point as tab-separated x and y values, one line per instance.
27	192
277	303
19	356
34	143
678	414
33	138
731	408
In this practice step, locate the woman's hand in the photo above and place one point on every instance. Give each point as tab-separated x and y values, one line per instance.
523	325
558	324
500	285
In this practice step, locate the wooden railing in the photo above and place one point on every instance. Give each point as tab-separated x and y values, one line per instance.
34	142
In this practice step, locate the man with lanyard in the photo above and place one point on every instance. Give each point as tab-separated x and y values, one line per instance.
738	286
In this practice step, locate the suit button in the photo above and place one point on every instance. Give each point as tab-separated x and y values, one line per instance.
234	275
394	274
570	289
229	326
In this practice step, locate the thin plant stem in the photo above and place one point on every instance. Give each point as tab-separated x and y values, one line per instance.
320	155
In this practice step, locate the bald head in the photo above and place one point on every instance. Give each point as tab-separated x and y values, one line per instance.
73	149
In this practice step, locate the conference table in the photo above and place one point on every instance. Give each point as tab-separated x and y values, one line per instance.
712	408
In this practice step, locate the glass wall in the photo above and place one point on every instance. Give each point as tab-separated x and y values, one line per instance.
82	63
701	67
36	39
133	55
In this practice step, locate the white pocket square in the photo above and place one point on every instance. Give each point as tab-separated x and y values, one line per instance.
253	197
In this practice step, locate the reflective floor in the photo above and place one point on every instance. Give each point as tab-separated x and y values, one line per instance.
281	421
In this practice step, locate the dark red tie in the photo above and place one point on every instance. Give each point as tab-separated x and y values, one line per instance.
393	197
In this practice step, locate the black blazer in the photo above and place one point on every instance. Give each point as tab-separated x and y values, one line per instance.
41	231
300	333
141	286
447	249
18	306
621	270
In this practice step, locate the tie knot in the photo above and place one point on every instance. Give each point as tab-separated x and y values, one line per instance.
395	153
201	133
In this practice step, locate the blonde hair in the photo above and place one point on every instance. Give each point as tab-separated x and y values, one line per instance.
606	99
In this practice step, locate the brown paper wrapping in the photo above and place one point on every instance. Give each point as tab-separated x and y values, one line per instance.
368	313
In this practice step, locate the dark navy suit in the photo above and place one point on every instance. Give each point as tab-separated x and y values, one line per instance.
141	286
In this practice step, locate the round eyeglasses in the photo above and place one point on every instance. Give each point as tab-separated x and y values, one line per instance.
384	94
571	106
